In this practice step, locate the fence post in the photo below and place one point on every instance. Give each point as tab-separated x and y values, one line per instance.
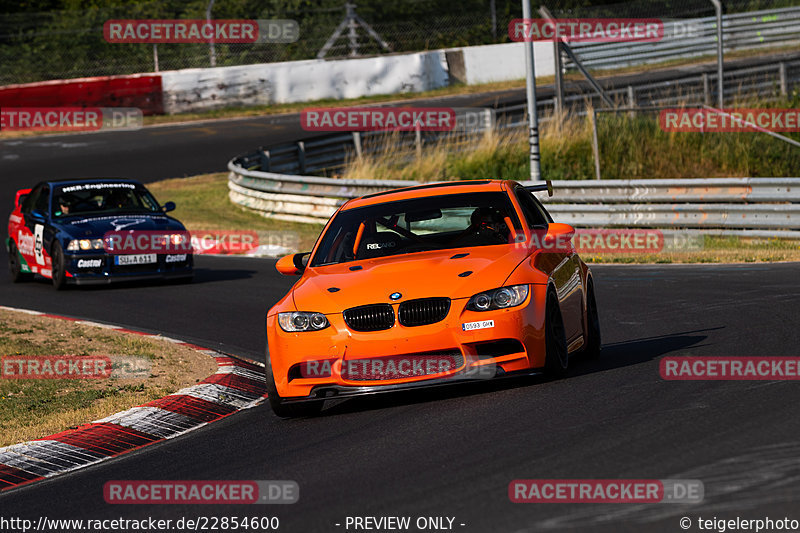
595	145
357	143
155	57
782	77
301	156
265	160
720	79
418	140
631	101
706	89
212	54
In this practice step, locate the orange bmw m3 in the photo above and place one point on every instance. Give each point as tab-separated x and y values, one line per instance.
425	286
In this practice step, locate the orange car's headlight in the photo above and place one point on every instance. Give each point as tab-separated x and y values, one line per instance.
500	298
302	321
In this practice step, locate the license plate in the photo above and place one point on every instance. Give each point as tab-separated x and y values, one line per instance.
481	324
135	259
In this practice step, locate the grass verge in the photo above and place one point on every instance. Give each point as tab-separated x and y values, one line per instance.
203	204
35	408
714	250
630	148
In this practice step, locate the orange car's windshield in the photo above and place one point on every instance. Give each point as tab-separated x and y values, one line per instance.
417	225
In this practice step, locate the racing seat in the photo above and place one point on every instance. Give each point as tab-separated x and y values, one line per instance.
379	244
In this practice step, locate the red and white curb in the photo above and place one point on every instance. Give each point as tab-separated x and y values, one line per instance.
235	386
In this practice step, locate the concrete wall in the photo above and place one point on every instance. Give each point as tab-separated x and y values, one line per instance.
301	81
503	62
201	89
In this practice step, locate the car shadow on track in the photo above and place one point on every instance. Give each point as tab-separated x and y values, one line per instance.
613	356
201	276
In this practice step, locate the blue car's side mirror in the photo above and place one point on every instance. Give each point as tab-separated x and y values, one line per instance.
169	206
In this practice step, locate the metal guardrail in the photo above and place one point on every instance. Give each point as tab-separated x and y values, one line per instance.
697	37
746	205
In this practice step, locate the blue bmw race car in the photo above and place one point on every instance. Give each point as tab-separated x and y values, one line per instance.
60	230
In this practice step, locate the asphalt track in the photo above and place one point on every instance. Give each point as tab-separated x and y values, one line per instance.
453	452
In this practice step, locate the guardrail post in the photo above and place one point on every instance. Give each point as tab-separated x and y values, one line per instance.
490	124
357	143
782	78
301	156
595	146
706	89
418	140
631	101
265	160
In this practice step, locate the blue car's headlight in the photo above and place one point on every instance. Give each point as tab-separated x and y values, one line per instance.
85	244
500	298
302	321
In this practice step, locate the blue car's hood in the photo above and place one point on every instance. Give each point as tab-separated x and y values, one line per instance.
97	226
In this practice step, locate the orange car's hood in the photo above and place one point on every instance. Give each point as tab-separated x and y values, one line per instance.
417	275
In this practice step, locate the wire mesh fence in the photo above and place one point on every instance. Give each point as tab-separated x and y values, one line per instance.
71	44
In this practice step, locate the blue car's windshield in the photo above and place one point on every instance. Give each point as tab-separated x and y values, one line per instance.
416	225
102	199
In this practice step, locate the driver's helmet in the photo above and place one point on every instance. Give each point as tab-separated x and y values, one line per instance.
64	203
487	217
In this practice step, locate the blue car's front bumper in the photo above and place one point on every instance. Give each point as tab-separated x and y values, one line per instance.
92	268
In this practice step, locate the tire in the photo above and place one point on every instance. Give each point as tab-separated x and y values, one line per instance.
15	265
557	357
59	269
593	343
279	405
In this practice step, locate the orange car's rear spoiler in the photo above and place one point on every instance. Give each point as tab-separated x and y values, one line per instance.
546	186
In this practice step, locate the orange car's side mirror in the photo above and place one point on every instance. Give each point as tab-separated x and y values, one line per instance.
558	236
291	265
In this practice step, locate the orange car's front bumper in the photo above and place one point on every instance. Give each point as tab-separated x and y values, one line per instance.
514	343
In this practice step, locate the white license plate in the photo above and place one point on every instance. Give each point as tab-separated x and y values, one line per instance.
135	259
481	324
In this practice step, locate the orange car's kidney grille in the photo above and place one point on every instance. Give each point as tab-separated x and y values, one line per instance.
369	317
423	311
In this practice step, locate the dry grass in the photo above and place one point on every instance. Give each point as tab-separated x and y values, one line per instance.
34	408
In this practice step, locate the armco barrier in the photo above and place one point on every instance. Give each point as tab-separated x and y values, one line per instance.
140	90
697	37
755	206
